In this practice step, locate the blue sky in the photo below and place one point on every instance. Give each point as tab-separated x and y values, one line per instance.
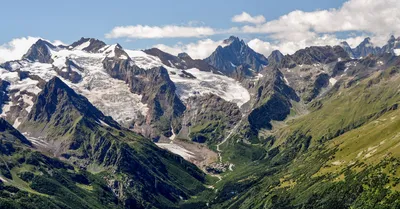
198	27
70	20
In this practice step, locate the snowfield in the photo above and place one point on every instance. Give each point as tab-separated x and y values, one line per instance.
203	83
177	149
110	95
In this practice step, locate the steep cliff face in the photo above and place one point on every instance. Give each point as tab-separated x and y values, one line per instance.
158	92
3	93
272	102
209	119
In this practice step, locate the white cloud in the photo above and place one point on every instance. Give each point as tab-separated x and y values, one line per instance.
169	31
247	18
16	48
199	50
379	18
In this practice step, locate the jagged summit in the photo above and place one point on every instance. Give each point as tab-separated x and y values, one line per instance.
88	44
40	52
232	39
235	53
275	58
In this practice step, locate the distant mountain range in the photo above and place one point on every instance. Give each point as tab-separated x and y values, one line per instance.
91	125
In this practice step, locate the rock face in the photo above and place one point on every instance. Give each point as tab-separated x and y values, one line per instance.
209	119
236	53
182	61
272	101
70	71
39	52
348	49
392	44
275	58
88	44
3	93
10	134
313	55
157	90
366	48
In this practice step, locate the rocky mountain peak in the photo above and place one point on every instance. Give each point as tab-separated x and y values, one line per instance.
347	48
275	57
58	105
88	44
40	52
232	39
366	48
184	55
233	53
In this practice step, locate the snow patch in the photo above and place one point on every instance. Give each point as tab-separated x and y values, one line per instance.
82	46
396	52
208	82
144	60
332	81
203	83
177	149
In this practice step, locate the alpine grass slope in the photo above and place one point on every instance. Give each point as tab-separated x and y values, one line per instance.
315	129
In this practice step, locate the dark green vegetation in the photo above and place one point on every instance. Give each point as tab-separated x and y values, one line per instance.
30	179
102	160
343	154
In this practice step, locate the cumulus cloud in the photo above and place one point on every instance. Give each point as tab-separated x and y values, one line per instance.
247	18
169	31
378	18
14	49
198	50
17	47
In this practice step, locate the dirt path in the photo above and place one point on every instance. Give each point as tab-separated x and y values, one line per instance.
227	137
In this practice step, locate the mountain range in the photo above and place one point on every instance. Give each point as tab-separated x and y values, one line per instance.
91	125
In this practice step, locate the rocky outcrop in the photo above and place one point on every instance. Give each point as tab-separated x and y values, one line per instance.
70	71
314	89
